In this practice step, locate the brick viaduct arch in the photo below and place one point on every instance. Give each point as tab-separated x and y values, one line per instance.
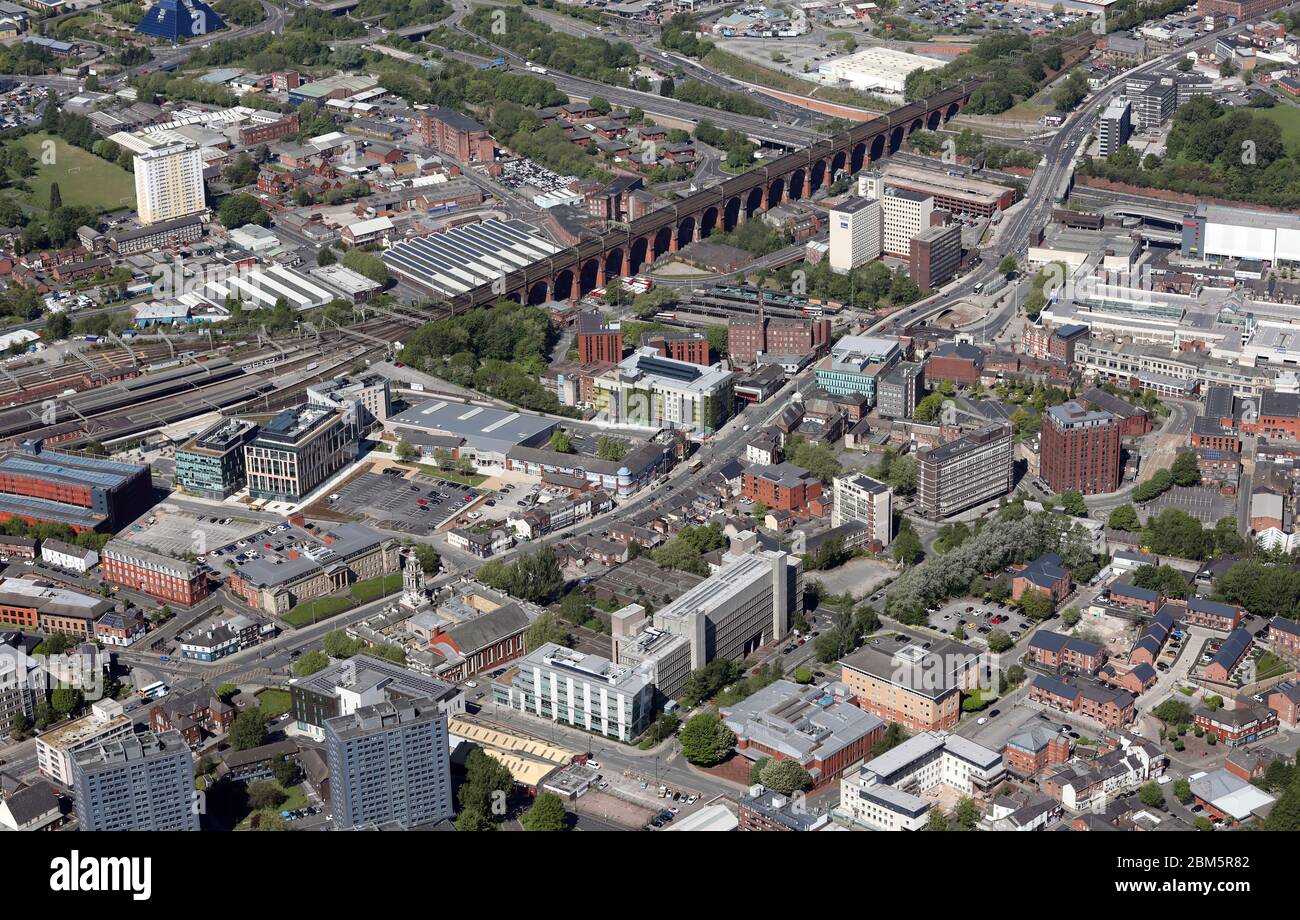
625	250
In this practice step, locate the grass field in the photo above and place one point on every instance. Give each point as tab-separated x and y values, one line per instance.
363	592
84	179
274	703
315	610
374	588
1287	118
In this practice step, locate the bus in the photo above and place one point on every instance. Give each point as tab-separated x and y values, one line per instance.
153	691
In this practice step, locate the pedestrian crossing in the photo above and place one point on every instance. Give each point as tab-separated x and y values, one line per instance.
238	676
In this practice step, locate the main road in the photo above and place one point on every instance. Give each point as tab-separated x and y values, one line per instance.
1034	211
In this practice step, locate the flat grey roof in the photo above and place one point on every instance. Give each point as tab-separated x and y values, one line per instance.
483	426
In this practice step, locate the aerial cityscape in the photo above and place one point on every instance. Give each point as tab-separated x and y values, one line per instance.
649	415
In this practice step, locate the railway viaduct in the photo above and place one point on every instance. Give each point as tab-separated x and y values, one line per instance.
623	250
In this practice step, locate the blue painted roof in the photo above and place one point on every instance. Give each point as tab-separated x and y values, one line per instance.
174	19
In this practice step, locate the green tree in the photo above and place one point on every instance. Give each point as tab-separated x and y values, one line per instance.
560	442
406	452
285	771
1124	518
1072	503
1185	470
937	821
785	776
907	545
368	264
999	641
1152	795
56	197
311	662
248	730
238	210
1172	712
547	628
264	794
1182	790
1037	605
608	448
706	740
226	692
485	793
546	814
65	701
1008	265
967	813
427	556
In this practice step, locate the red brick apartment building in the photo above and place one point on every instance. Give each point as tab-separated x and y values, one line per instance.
1047	341
1284	699
192	714
692	347
960	362
783	487
597	342
1047	573
167	579
1034	748
1210	434
919	688
1230	654
1052	650
1279	416
456	135
1235	727
1197	611
1125	594
1152	641
1109	706
746	337
1284	635
1239	9
268	131
1079	449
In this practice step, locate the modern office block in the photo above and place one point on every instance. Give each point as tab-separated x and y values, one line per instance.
586	691
297	451
965	472
1115	126
906	214
211	464
855	233
867	501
